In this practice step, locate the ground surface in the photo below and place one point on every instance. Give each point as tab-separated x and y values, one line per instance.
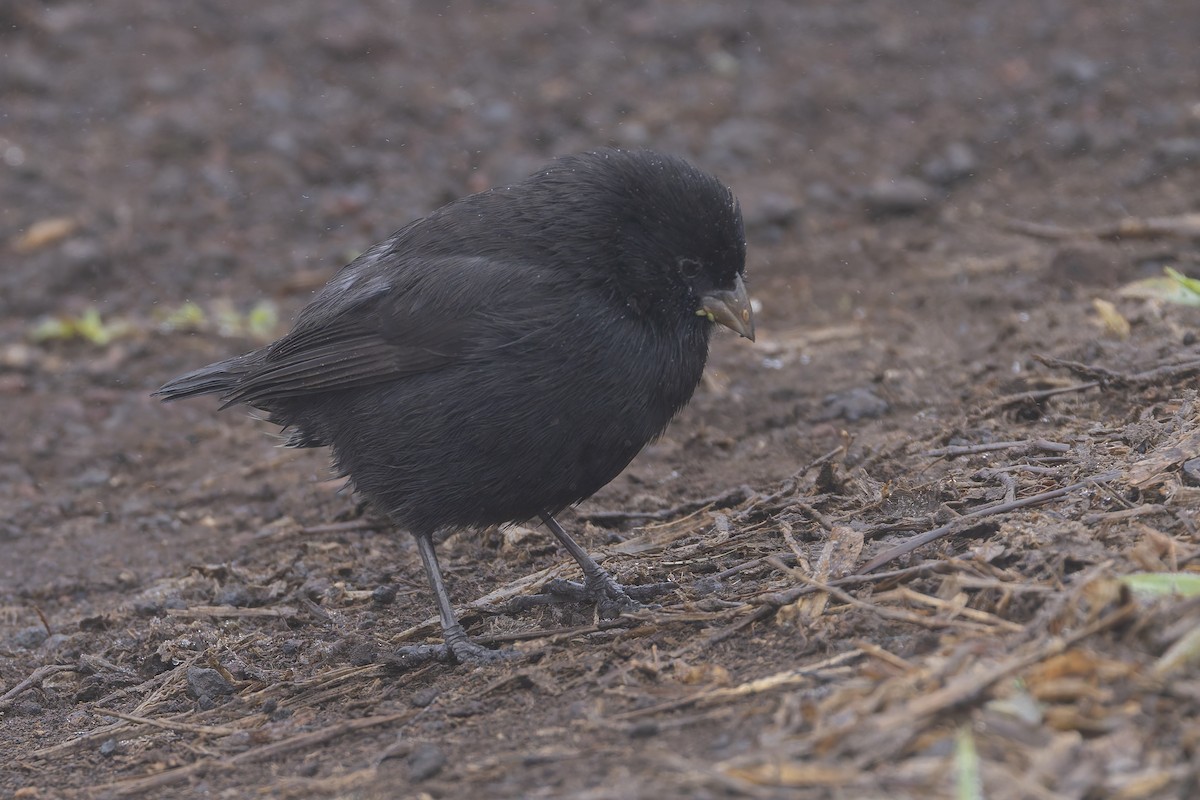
188	610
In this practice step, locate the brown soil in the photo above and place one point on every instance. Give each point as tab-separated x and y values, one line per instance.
181	613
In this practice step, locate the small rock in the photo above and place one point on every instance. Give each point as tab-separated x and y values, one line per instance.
233	595
497	113
31	637
1072	68
632	133
820	193
770	209
315	589
109	748
895	196
207	683
1067	139
93	687
1171	154
91	478
84	252
362	653
423	697
853	405
954	164
424	762
27	708
1087	266
55	641
739	136
644	729
1191	471
147	607
706	586
17	356
384	595
471	708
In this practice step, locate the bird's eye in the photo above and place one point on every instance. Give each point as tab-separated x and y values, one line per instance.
689	267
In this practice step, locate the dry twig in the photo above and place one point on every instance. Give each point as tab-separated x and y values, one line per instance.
990	511
35	679
1186	226
1161	374
1029	446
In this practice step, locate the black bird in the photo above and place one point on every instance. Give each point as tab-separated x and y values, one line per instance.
508	355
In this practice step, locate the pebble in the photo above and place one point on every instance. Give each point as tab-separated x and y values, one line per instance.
425	761
362	653
1171	154
54	642
204	682
896	196
29	638
1066	138
17	356
233	595
27	708
770	209
384	595
1072	68
854	404
955	163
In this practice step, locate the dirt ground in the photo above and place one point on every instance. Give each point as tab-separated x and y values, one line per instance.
945	203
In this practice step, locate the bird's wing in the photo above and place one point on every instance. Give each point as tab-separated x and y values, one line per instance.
367	327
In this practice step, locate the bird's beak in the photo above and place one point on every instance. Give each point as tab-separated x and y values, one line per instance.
730	308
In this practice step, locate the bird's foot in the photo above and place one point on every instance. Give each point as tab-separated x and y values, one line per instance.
454	651
611	598
467	652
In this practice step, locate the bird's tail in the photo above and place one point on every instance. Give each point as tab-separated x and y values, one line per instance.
221	378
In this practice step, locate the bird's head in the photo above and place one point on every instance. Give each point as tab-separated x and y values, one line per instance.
669	237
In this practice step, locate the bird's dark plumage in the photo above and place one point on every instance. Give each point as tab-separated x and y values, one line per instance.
508	355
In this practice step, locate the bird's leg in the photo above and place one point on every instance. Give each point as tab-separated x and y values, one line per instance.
458	646
598	585
597	582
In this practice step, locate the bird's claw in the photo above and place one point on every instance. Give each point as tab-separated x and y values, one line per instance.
611	598
460	652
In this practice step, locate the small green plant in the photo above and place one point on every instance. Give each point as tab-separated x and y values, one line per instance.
258	323
1175	287
1158	584
88	326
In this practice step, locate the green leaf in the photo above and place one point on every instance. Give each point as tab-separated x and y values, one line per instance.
1174	288
1159	584
87	326
1190	284
188	316
262	319
968	783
